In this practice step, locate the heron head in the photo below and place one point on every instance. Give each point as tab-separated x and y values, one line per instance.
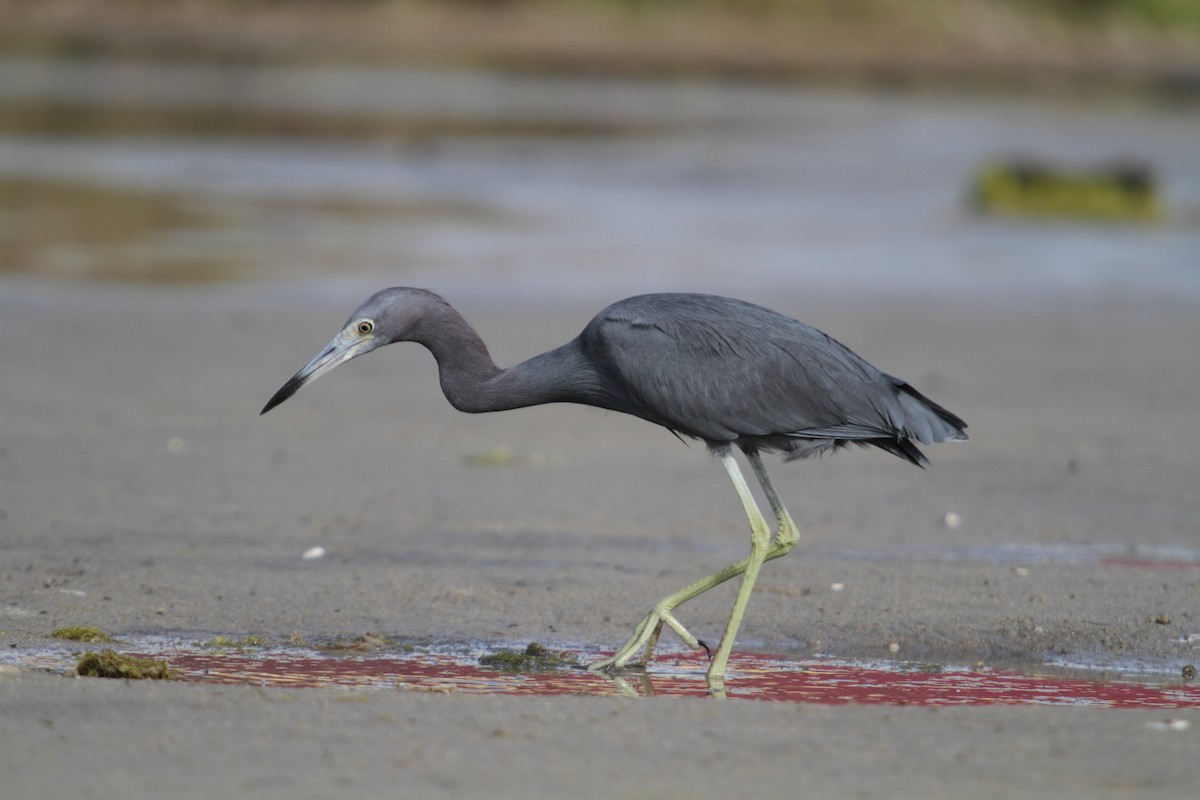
387	316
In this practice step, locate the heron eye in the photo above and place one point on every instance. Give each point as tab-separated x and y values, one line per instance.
364	327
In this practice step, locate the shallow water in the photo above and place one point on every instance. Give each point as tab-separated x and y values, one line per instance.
504	185
750	676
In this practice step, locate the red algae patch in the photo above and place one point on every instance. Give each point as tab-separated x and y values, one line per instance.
756	677
750	676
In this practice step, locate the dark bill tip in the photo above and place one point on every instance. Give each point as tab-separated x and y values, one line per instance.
286	391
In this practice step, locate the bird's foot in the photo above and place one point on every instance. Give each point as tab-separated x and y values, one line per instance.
645	638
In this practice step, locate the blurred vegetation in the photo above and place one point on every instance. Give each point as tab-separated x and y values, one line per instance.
1165	14
1160	13
1180	14
1134	43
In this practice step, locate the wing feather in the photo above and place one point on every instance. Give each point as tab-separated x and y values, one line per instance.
723	370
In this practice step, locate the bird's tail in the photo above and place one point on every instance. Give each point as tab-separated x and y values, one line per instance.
911	418
915	416
924	420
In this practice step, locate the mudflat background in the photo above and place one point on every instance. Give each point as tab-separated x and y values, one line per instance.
143	494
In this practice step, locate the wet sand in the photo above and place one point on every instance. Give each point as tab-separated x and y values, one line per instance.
142	494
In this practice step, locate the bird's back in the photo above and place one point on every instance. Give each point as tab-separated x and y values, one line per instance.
730	372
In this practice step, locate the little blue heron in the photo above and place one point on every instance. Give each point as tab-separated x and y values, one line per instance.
723	371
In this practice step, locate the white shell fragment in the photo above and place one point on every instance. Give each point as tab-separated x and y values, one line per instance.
1168	724
313	553
952	520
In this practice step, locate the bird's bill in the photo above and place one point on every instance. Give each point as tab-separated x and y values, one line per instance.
344	347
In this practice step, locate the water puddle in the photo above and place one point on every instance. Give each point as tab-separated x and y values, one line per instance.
750	676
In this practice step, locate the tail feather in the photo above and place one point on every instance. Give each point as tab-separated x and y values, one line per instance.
919	418
901	448
926	421
908	416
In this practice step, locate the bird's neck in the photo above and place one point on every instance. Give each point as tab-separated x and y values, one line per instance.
470	378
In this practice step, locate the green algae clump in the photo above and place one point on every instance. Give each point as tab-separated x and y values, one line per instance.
81	633
1117	192
111	664
368	642
534	657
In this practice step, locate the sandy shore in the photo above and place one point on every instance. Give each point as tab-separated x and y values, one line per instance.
143	494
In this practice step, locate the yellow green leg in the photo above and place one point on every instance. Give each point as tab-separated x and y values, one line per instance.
760	540
762	549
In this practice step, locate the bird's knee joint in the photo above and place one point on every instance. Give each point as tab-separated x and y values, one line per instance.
780	549
785	543
760	534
